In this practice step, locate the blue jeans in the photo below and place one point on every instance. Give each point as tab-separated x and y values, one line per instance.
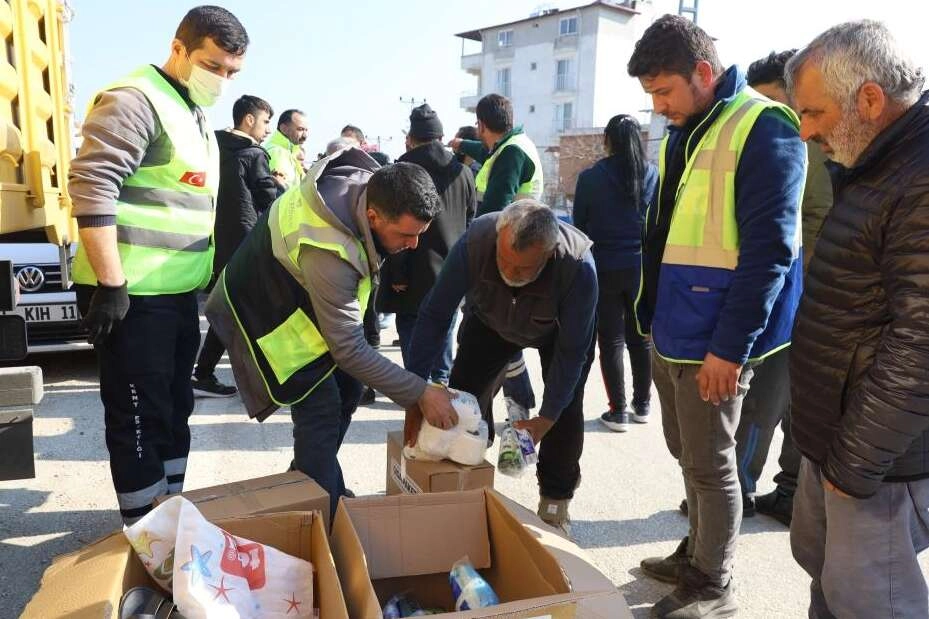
320	423
443	366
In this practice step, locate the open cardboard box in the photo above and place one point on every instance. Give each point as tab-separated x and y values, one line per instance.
419	476
89	583
408	543
292	491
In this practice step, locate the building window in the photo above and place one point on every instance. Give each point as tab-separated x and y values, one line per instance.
532	66
564	74
505	38
567	26
503	81
531	109
564	116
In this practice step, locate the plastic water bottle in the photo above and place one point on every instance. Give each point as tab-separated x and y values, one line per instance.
469	589
510	461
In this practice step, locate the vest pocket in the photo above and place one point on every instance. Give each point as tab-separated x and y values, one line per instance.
696	310
292	345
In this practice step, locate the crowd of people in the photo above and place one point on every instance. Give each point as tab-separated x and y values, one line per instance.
771	269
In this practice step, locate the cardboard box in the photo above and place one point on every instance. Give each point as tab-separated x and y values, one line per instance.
408	543
406	476
292	491
89	583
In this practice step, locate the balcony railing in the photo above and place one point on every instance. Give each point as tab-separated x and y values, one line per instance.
472	63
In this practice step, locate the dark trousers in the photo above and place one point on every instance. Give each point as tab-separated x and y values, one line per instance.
616	331
766	406
443	364
145	366
210	354
482	356
320	423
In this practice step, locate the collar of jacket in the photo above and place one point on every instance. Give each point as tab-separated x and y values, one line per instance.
242	134
884	141
731	83
351	157
279	139
506	136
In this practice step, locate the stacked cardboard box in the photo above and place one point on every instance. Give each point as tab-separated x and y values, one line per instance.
405	476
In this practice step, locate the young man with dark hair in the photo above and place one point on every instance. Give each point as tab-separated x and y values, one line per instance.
510	170
289	304
407	277
144	185
284	147
721	281
246	190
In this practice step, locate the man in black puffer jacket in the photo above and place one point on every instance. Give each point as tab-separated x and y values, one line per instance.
860	357
246	190
407	277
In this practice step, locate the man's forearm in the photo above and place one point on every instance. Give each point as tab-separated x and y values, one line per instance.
100	245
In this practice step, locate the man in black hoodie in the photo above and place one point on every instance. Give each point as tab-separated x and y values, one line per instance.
246	189
407	277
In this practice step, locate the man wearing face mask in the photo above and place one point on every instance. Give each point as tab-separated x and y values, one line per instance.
285	147
528	281
144	185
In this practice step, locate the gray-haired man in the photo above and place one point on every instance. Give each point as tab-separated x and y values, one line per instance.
860	359
528	281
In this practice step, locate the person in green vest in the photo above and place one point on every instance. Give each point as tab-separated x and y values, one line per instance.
289	304
285	147
144	186
721	280
510	170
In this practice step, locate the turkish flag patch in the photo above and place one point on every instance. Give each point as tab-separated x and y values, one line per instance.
246	560
197	179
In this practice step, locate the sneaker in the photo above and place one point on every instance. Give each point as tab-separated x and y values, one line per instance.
368	397
515	411
210	387
697	597
667	569
778	504
617	422
555	514
748	506
640	413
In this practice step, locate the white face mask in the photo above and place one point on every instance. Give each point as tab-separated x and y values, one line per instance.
204	87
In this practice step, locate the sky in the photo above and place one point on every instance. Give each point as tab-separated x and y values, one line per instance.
361	62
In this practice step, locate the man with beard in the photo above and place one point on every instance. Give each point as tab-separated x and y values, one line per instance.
721	278
285	147
860	362
528	281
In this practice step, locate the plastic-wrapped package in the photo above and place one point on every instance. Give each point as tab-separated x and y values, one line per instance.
466	443
469	589
510	460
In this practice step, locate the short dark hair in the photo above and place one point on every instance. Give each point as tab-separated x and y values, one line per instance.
403	188
381	158
287	116
770	70
468	132
249	104
496	112
672	44
212	22
353	132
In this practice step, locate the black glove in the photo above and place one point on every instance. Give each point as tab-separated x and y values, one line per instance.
108	306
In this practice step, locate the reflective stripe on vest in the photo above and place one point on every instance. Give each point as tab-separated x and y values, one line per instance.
530	189
297	342
704	231
165	213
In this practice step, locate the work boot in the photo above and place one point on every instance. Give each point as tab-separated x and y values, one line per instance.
667	569
748	506
555	513
696	597
778	504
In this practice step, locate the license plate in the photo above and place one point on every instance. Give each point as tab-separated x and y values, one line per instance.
52	312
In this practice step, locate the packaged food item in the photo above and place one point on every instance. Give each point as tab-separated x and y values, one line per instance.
469	589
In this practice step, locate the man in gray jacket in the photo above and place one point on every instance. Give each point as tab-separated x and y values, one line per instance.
289	304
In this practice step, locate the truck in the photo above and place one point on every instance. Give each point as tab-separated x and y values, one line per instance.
35	152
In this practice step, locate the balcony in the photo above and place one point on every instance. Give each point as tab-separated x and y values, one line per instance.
566	41
469	101
472	63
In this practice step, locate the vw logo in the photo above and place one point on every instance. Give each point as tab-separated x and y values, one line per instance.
30	279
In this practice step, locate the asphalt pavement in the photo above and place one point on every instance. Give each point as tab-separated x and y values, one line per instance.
625	509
